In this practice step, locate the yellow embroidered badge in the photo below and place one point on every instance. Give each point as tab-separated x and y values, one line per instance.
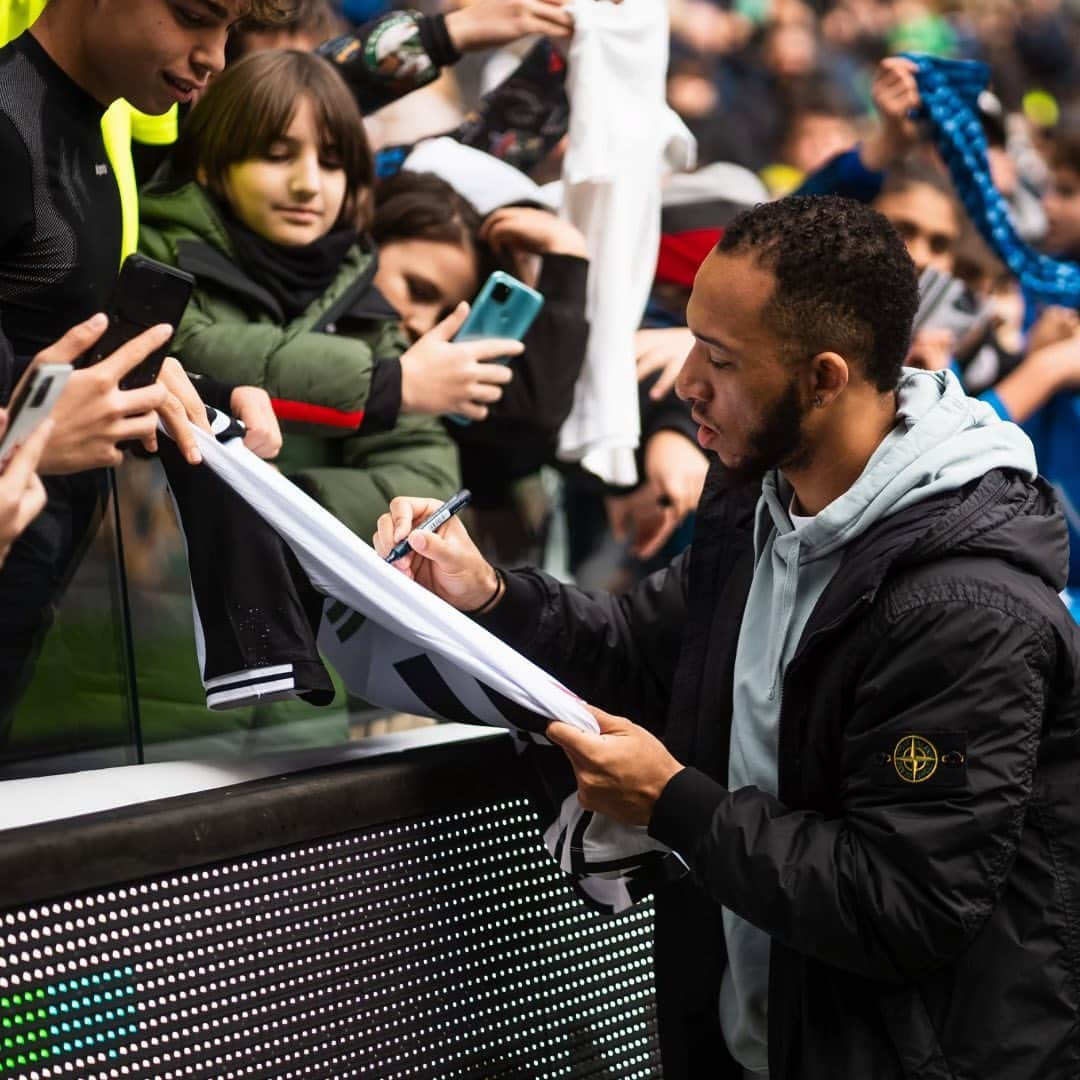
915	759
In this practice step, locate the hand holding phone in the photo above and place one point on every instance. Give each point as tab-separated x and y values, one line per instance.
505	308
440	375
148	293
22	494
93	414
33	399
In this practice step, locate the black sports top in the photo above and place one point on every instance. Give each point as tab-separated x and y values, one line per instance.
60	224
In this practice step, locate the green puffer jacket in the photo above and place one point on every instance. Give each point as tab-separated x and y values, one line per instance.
334	372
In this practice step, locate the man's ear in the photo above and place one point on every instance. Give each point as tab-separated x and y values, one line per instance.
829	375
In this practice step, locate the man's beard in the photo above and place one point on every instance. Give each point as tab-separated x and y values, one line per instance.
778	441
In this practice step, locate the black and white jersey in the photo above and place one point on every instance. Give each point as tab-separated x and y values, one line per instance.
256	613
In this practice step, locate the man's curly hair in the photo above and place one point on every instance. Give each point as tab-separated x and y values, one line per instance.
844	280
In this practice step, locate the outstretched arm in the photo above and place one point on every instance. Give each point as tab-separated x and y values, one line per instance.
391	56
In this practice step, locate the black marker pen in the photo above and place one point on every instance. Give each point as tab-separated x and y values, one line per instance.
441	516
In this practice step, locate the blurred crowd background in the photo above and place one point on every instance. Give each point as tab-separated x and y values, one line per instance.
780	86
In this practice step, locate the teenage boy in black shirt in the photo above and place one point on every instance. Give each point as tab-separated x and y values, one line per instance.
60	250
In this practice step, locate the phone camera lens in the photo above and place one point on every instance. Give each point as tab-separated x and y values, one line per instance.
500	293
42	391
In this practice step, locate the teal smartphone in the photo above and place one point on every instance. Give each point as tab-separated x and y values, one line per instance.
504	308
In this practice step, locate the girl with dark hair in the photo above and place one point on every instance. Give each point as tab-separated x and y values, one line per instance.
435	249
430	255
266	202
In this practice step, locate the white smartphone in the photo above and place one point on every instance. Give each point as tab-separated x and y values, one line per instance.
946	303
37	392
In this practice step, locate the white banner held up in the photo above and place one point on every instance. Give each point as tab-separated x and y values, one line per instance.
393	642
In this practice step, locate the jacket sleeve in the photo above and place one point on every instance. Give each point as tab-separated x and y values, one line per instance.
329	374
844	175
391	56
616	652
902	878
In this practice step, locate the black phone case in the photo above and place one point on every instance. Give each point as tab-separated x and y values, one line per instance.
147	293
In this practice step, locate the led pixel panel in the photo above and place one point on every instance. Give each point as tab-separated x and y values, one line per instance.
446	947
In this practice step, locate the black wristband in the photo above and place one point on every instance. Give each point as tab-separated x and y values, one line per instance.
435	39
500	581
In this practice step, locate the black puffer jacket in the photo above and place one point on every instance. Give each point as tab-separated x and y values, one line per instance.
924	930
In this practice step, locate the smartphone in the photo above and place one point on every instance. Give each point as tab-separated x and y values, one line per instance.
947	303
37	392
504	308
147	293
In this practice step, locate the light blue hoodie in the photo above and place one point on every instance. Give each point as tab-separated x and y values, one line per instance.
941	441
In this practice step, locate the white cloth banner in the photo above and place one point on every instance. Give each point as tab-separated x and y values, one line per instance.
622	137
392	641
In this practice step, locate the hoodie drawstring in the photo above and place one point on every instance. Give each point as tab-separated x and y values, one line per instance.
787	604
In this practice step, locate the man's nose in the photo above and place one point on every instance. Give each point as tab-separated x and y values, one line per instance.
688	383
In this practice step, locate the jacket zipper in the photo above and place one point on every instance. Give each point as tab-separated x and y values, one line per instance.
347	298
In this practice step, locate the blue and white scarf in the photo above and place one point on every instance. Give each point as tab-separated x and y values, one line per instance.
950	91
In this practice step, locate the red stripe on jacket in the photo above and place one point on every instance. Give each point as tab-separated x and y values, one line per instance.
304	413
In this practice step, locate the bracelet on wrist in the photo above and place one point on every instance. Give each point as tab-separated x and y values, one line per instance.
500	581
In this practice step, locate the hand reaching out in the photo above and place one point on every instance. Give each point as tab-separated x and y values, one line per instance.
251	405
487	24
675	471
676	467
22	494
663	350
182	403
440	376
895	94
93	414
1042	374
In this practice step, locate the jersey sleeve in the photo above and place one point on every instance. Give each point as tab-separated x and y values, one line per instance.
391	56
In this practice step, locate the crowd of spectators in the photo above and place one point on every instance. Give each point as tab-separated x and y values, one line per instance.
330	332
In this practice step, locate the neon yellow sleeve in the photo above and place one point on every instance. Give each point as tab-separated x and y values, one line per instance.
16	16
154	130
120	124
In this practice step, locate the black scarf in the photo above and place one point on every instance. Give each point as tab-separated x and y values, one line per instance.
296	276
